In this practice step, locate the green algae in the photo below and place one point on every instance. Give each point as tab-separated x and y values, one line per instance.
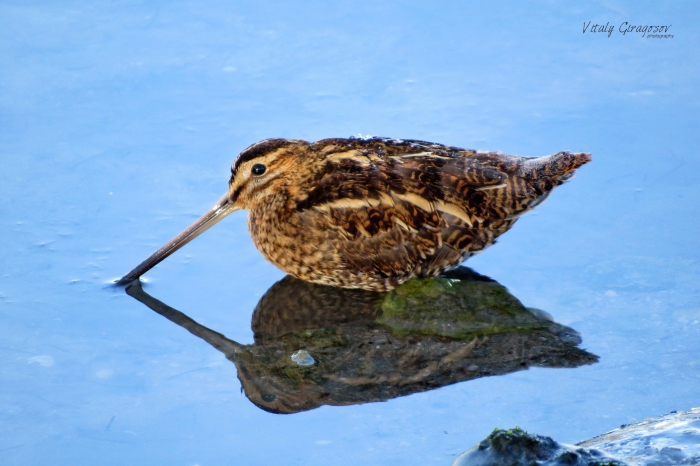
460	309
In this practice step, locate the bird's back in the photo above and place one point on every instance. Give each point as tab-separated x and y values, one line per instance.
379	211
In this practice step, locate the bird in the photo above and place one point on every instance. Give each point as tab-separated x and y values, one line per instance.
373	212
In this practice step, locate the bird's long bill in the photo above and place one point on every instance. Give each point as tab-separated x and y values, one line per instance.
220	210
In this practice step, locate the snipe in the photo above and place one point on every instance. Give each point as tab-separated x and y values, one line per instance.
372	213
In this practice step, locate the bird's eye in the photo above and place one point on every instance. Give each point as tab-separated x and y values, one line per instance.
258	169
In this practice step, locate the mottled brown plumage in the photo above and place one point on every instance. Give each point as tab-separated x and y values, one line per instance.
373	213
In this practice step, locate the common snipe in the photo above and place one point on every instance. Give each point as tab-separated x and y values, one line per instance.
374	212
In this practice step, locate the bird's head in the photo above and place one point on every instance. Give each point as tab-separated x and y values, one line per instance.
261	171
266	169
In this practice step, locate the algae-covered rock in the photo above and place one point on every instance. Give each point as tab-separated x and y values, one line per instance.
456	308
515	447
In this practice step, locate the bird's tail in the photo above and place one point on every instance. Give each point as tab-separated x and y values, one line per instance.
545	173
555	169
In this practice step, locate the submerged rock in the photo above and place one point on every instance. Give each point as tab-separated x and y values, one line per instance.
461	308
516	447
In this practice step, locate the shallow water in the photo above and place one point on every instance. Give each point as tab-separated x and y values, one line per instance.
118	124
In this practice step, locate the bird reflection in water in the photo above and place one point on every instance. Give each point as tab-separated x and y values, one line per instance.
319	345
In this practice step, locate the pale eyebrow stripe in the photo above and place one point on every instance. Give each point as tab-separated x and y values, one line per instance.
249	178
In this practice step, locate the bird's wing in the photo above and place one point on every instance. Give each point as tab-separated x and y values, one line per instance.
391	211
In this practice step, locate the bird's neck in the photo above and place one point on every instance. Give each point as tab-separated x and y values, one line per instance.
269	212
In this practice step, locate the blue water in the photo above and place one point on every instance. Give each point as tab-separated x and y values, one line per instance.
118	125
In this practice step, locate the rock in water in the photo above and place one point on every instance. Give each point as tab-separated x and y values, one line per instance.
516	447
